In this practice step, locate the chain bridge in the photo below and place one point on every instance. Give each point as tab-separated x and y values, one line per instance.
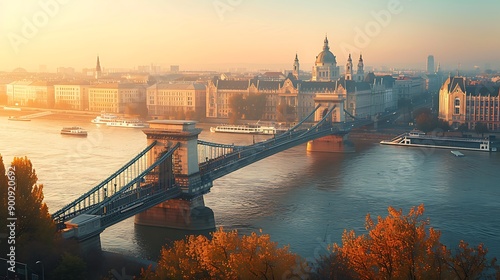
164	184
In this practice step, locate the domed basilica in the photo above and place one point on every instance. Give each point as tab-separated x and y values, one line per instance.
325	68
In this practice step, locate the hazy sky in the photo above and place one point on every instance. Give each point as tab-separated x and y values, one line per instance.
213	34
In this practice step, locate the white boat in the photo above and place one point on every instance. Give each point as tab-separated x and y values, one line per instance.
12	108
74	130
132	123
457	153
104	118
12	118
246	129
420	139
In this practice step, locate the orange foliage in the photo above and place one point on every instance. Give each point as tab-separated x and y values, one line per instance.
400	247
225	256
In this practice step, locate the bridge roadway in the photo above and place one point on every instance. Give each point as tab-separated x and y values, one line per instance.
118	197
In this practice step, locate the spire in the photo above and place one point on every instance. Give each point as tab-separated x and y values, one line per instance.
98	68
325	46
296	67
348	68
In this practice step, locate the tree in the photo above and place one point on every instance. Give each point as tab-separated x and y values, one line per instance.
285	112
425	120
225	256
3	198
35	229
401	247
255	105
463	128
481	128
70	268
237	107
470	263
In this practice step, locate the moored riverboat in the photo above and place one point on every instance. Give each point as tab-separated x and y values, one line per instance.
420	139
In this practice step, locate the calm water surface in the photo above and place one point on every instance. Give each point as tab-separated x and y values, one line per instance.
302	199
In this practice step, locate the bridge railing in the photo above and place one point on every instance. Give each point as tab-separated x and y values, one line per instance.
106	188
132	192
228	163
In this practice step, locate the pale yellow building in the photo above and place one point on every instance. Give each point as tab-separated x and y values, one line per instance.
462	103
115	97
72	96
31	93
176	100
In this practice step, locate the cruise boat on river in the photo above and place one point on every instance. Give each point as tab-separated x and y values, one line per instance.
420	139
104	118
131	123
248	129
74	130
12	118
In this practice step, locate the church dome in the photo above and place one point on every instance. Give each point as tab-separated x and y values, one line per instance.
326	56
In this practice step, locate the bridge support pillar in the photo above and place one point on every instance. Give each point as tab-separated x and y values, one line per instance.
331	144
185	214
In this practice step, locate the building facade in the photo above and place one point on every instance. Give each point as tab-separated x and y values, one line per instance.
462	103
72	96
293	99
115	97
31	93
410	88
174	100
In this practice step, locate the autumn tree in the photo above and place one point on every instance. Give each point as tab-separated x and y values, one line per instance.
36	235
237	108
425	120
255	106
3	199
225	256
285	112
402	247
481	128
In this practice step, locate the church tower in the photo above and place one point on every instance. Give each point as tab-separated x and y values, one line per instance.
98	69
348	68
360	74
296	67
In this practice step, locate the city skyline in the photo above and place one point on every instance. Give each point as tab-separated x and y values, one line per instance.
216	35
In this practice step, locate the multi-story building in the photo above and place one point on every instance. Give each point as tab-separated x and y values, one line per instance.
294	99
29	93
116	97
410	88
72	95
430	65
175	100
462	103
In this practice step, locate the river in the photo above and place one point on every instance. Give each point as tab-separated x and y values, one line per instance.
301	199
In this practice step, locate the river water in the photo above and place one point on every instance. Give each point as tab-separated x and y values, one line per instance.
301	199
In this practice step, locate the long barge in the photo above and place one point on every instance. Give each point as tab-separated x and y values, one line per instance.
420	139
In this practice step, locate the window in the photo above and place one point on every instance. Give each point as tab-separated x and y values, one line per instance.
457	110
457	102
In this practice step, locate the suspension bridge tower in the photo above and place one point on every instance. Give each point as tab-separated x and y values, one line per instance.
187	212
331	143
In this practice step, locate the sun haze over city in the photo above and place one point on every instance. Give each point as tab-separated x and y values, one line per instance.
257	34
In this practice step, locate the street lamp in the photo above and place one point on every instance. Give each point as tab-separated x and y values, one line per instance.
43	269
